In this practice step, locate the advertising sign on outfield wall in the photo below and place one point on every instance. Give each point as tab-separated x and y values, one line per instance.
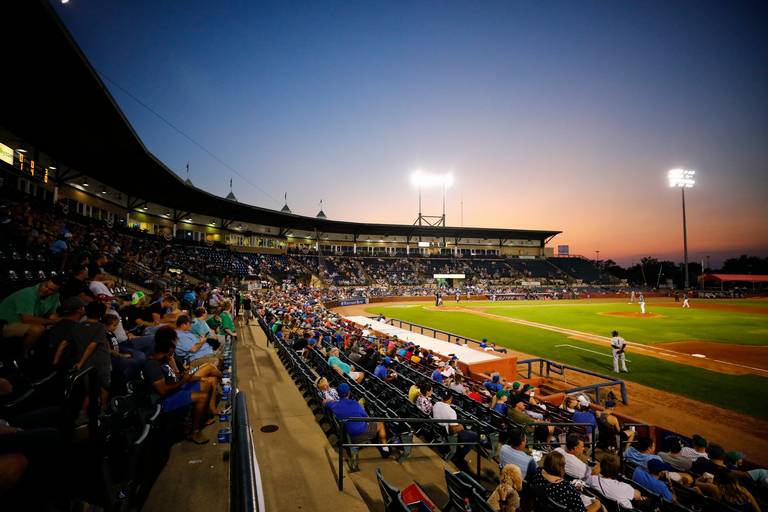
353	301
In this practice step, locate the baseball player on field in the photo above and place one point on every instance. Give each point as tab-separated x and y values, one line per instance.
641	300
618	346
685	300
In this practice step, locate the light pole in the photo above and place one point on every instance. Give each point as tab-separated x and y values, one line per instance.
683	179
421	180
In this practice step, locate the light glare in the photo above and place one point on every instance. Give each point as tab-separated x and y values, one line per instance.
423	180
681	178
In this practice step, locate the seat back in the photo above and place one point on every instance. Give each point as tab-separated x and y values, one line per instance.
479	503
389	494
458	490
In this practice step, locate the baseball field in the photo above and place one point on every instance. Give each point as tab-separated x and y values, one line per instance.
715	352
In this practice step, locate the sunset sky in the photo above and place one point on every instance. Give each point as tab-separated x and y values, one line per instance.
551	115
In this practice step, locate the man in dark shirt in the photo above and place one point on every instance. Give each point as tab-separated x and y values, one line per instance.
714	465
176	389
76	286
96	268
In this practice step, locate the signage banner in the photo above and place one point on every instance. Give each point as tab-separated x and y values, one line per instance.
353	301
6	154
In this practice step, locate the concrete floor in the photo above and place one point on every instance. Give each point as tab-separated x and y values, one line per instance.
298	463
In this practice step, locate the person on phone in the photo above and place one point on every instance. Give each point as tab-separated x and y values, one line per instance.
175	389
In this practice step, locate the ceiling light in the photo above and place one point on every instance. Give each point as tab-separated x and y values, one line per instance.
85	182
188	220
21	150
52	168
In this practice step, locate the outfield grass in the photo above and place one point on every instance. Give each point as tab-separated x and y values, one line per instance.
737	392
675	324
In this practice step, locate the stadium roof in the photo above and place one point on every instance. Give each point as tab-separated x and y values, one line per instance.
743	278
58	104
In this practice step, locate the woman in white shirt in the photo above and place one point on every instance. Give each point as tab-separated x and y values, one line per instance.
611	488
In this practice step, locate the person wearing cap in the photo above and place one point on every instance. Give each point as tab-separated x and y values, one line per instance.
699	448
27	312
584	414
494	385
651	478
437	373
618	347
359	431
383	372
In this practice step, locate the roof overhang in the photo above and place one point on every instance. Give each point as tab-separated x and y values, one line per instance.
59	105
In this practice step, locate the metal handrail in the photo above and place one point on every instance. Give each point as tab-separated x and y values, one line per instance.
343	422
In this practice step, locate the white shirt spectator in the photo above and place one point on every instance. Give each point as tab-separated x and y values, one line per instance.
574	467
448	371
443	411
692	454
613	489
98	288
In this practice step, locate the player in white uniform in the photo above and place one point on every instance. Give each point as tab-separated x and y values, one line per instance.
632	297
618	346
685	301
641	300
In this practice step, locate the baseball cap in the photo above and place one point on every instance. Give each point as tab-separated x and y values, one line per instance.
610	404
136	297
387	360
343	389
71	304
733	456
516	384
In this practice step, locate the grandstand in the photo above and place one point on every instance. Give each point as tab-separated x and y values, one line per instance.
131	240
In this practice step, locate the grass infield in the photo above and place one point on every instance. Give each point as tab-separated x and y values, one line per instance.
741	393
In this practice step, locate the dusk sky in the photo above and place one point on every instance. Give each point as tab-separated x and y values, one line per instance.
551	115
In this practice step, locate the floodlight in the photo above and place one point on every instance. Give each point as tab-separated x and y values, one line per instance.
681	178
421	179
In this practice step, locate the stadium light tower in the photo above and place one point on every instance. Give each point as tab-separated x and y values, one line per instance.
420	179
683	179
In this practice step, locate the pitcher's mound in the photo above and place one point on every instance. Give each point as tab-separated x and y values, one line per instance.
632	315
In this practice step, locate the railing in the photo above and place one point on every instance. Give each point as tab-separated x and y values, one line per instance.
547	367
246	493
342	445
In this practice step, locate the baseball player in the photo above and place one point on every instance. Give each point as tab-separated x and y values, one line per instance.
632	297
458	296
685	300
618	346
641	301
